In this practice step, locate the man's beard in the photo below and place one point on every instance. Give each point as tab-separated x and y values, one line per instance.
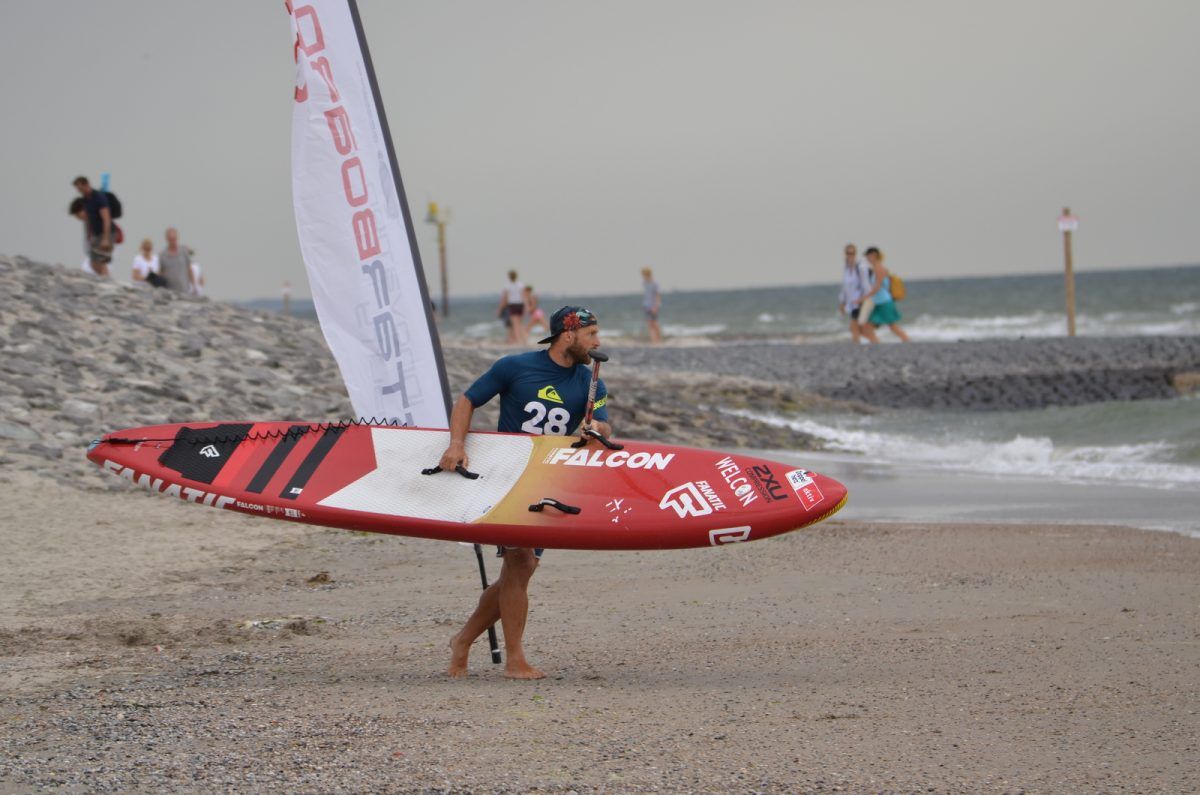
579	353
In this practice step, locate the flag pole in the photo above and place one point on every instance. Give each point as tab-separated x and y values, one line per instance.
420	272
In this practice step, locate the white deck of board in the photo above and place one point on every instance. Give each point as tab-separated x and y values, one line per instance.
396	487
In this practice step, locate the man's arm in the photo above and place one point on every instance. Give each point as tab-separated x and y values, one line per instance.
106	219
877	270
460	423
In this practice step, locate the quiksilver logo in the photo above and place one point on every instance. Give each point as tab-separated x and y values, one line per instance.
550	393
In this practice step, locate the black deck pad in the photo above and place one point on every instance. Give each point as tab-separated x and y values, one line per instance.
199	453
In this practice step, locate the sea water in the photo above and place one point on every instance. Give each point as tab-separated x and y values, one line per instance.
1108	303
1123	461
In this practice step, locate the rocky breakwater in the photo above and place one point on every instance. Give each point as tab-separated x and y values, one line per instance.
81	356
974	375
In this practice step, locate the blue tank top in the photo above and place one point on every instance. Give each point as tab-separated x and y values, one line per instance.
884	296
537	395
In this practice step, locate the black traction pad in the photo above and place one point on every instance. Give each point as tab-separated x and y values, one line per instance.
200	453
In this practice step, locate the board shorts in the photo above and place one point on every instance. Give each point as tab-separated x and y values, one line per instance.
97	254
885	314
537	553
515	310
651	314
854	313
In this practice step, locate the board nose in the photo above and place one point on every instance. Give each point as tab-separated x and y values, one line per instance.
834	493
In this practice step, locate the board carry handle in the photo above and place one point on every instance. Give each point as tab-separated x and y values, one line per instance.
553	503
604	440
460	469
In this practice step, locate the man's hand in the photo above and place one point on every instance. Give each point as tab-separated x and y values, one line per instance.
455	455
600	427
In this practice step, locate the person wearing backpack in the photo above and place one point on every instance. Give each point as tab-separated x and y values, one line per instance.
98	224
885	311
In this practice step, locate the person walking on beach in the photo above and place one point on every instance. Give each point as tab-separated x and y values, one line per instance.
651	303
884	311
175	263
856	281
512	308
541	392
98	225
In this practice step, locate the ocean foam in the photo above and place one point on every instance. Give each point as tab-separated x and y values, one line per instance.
1019	456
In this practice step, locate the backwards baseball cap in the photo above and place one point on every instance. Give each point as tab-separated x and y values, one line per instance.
569	318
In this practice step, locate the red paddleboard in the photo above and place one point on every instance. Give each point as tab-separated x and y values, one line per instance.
363	477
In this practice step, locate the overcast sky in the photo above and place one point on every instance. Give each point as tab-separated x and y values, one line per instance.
725	144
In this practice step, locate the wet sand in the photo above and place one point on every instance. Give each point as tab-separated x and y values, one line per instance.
152	645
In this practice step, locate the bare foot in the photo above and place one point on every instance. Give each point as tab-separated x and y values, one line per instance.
459	649
522	670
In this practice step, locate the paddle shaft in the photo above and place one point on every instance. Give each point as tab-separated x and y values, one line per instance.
493	642
591	403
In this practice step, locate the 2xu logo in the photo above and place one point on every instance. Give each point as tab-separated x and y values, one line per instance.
766	482
806	488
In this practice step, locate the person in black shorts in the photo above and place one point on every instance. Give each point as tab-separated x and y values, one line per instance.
541	392
512	308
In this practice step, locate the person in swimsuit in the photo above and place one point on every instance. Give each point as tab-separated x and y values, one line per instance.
536	316
541	392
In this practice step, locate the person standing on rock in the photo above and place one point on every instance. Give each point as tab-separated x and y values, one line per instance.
145	265
175	263
196	274
884	311
541	392
856	281
651	304
512	309
98	225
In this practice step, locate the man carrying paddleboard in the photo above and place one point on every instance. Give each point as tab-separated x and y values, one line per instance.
541	392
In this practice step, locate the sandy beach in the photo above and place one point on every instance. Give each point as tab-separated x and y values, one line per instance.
151	645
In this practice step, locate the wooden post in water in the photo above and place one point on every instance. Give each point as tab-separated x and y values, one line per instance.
1067	224
435	216
287	298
